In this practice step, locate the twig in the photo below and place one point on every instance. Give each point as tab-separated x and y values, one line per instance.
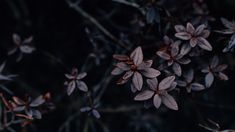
95	22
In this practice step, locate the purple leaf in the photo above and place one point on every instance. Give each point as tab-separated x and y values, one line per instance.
16	38
121	57
183	35
189	28
204	44
193	42
163	55
127	75
199	29
185	49
38	101
71	87
177	69
180	28
95	113
117	71
81	75
197	87
222	76
153	83
82	86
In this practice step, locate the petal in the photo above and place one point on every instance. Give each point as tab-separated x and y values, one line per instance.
18	101
209	79
133	89
36	114
38	101
199	29
181	83
137	81
95	113
117	71
223	76
169	101
71	87
197	87
193	42
227	23
28	40
150	72
145	64
230	44
16	39
177	69
205	33
175	48
166	82
127	75
26	49
184	60
189	76
157	100
180	28
183	35
220	68
190	28
167	40
204	44
19	108
123	66
163	55
85	109
137	56
120	57
153	83
81	75
214	62
145	95
185	49
82	86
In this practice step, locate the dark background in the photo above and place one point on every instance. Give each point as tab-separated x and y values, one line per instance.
59	31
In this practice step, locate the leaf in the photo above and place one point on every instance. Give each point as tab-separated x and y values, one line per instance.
19	108
38	101
183	35
193	42
175	48
153	83
157	100
28	40
223	76
227	23
18	101
163	55
2	67
204	44
137	56
181	83
145	64
214	62
150	72
85	109
127	75
37	114
177	69
82	86
166	82
145	95
184	60
2	77
137	81
169	101
197	87
205	33
209	79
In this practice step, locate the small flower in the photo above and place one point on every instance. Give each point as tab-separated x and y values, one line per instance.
196	37
30	107
22	46
134	67
159	92
74	81
214	69
174	58
230	29
188	82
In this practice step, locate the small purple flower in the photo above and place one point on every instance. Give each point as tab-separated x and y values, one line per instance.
30	107
159	92
134	67
214	69
91	110
189	83
196	37
22	46
74	81
174	58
